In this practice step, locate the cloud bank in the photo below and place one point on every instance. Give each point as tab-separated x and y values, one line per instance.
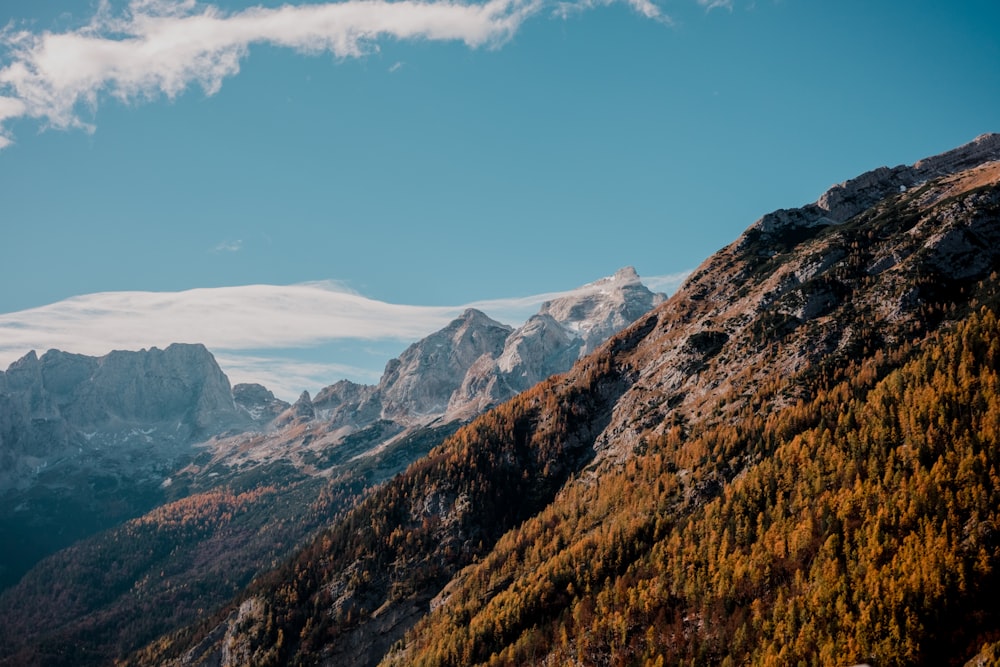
278	335
162	47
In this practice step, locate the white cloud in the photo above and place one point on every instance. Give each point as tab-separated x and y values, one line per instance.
648	9
252	329
163	47
231	318
716	4
229	246
668	283
396	66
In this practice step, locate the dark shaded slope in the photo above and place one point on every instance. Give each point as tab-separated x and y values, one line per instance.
118	590
85	442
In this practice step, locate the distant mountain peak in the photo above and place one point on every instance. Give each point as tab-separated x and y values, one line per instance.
473	315
563	330
597	310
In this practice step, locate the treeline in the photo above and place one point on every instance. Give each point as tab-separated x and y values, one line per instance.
859	523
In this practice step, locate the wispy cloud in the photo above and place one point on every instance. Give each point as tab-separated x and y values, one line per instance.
647	8
668	283
229	246
157	48
716	4
231	318
287	377
254	329
396	66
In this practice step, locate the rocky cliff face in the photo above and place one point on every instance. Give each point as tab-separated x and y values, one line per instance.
846	200
421	382
88	441
61	407
259	402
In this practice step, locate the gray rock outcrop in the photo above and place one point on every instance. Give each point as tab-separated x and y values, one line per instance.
846	200
422	380
259	402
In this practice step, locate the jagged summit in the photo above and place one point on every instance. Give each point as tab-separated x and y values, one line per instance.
472	315
120	388
846	200
475	361
984	148
259	402
624	276
598	309
421	381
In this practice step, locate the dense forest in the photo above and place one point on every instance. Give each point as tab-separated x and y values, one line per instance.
866	529
367	576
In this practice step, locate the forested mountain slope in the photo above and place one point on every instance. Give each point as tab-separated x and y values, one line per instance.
865	528
793	458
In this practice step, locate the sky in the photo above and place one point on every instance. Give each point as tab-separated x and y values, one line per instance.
173	169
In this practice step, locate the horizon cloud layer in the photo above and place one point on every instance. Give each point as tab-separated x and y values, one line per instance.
271	334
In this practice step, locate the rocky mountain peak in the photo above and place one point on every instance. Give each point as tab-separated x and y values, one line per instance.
596	310
476	361
147	386
423	378
846	200
304	406
473	316
984	148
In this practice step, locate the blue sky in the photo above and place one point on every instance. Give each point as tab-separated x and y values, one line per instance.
453	153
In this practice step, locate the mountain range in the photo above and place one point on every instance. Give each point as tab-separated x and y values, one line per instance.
86	442
793	459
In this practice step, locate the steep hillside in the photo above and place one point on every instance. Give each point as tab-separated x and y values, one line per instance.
864	531
792	459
